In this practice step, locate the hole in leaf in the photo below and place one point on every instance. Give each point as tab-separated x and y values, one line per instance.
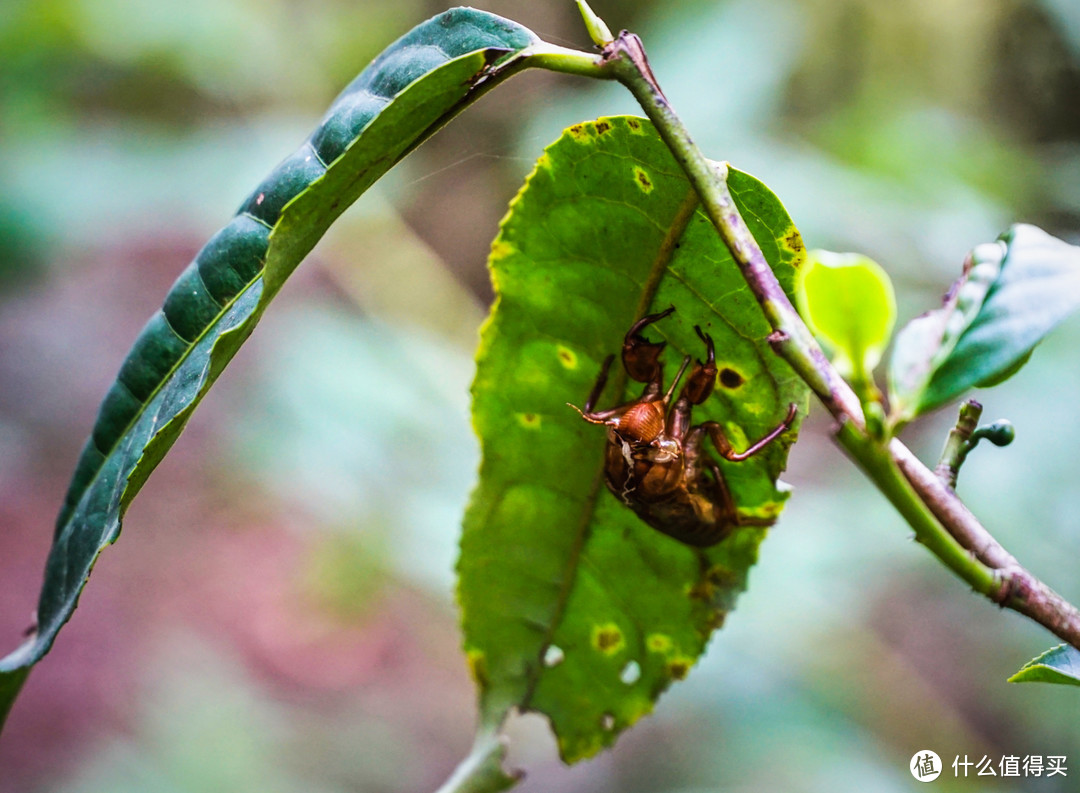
553	656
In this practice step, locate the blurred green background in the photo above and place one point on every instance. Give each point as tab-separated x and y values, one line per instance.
279	614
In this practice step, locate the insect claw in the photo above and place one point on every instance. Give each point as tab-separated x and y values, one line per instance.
649	319
709	346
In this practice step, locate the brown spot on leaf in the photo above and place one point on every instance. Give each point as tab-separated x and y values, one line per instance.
633	123
721	576
602	127
715	621
794	241
729	378
678	668
607	639
643	180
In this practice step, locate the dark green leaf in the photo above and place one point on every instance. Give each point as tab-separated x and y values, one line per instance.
571	605
1011	294
1059	664
406	93
10	684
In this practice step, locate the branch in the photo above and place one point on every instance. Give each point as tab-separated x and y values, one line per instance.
940	519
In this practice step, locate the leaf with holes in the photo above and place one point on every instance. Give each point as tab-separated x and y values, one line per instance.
405	94
571	605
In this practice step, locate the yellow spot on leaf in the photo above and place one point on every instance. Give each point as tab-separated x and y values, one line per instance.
658	642
641	178
608	639
500	249
567	356
634	709
793	241
529	421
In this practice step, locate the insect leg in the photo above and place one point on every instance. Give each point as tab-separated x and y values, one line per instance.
641	357
589	413
727	451
699	385
727	511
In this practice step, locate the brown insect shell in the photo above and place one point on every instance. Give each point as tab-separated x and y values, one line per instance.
642	423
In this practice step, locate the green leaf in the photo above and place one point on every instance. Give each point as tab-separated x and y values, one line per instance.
407	92
925	343
1011	294
571	605
10	684
848	302
1059	664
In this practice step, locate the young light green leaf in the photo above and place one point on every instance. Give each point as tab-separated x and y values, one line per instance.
598	29
572	606
1059	664
847	300
1012	293
407	92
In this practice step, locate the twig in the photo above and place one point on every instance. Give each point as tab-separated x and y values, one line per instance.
965	436
940	519
958	444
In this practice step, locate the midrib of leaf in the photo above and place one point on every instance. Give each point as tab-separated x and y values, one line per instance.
126	435
648	293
